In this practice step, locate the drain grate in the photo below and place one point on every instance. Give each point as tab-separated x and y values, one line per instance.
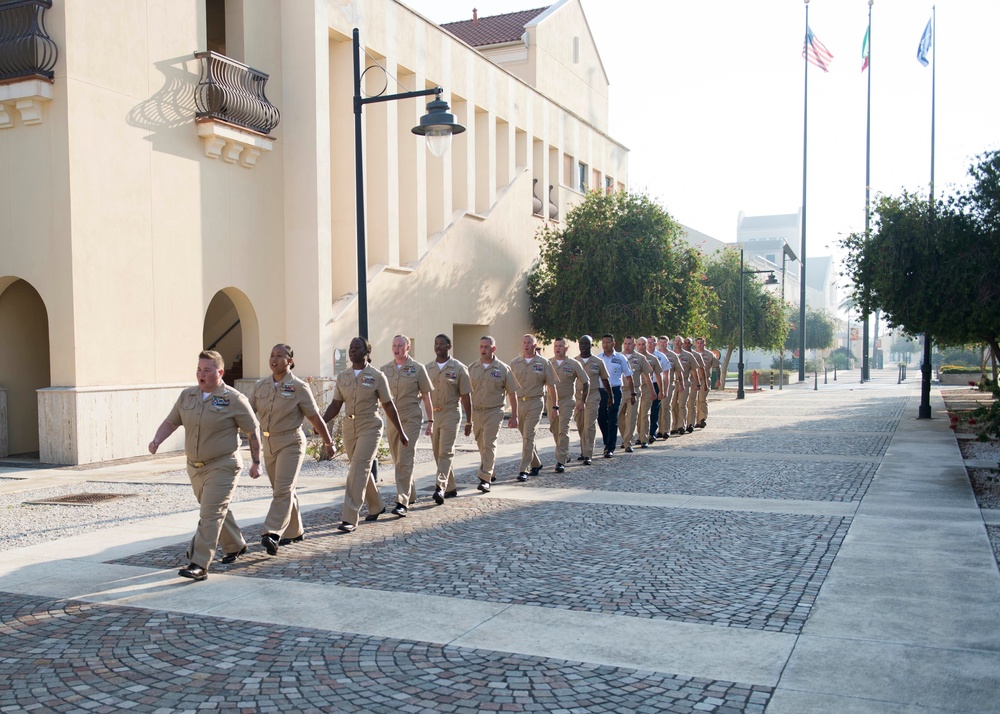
80	499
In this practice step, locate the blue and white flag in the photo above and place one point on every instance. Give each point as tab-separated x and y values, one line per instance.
925	45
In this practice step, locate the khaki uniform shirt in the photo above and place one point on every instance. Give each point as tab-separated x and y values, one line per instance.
532	375
407	384
567	375
450	383
639	365
282	407
685	362
696	363
711	362
212	425
654	364
596	370
361	396
489	383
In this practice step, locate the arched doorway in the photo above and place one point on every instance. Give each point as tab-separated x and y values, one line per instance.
24	363
231	329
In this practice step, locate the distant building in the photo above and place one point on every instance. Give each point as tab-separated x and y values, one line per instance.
703	242
765	239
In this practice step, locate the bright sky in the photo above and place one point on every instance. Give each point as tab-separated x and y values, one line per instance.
708	97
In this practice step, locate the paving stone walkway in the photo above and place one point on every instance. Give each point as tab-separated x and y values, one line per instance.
770	563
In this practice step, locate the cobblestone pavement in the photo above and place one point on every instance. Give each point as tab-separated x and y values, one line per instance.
788	442
76	657
742	478
843	424
753	570
740	572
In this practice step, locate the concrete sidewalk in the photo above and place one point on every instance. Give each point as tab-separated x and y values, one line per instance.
810	551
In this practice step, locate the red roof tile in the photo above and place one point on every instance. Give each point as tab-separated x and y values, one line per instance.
493	30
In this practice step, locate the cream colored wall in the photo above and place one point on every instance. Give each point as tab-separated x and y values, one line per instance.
581	87
474	273
112	211
157	227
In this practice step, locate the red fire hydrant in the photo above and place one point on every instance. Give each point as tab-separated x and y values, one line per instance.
756	376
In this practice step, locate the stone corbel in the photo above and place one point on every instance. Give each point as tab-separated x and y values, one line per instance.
26	98
232	144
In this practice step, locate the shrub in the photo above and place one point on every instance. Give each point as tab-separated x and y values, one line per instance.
988	418
959	369
952	357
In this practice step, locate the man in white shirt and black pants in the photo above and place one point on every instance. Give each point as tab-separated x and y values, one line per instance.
619	372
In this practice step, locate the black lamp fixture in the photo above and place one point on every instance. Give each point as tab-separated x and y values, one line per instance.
771	280
437	125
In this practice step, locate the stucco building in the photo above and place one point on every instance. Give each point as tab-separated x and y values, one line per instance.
155	203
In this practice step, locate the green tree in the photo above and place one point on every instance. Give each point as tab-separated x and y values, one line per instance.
820	327
619	266
840	357
764	324
935	267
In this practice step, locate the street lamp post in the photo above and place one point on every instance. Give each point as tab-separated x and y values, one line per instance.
771	280
438	125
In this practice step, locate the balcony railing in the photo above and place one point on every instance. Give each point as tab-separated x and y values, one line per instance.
232	92
26	50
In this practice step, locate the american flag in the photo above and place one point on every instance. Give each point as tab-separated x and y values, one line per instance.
816	52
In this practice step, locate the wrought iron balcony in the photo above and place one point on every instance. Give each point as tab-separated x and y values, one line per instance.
234	93
26	50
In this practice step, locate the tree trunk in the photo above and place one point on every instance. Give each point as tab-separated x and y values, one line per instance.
995	349
725	365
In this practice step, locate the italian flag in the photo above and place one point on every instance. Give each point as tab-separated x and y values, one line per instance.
865	50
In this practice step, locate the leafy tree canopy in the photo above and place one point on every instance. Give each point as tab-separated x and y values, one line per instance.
820	327
618	266
764	324
763	320
935	267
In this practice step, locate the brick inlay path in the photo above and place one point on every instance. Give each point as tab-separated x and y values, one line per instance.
733	477
754	570
71	657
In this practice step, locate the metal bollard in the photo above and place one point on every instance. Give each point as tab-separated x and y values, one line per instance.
826	378
772	379
816	381
834	373
899	379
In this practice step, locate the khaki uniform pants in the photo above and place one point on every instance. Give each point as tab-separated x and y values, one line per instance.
665	407
678	401
402	457
645	404
213	486
586	424
282	459
702	404
529	413
361	449
485	429
559	426
443	437
627	414
692	406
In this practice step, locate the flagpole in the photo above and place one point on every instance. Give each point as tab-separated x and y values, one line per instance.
865	366
802	250
933	88
924	410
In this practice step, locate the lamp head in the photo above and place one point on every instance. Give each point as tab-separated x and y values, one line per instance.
438	125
